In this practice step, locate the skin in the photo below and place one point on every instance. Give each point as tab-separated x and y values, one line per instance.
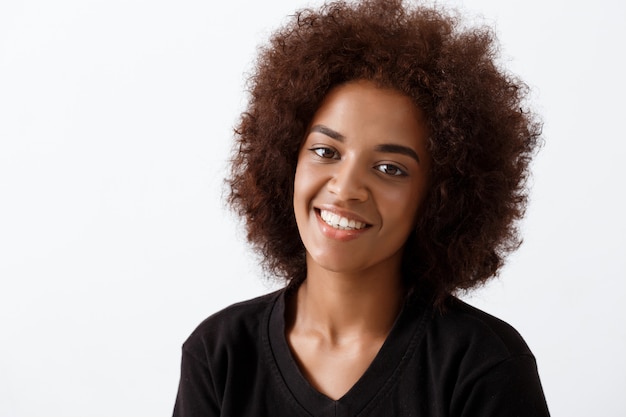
365	159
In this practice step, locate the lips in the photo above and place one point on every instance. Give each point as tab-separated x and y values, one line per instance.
336	221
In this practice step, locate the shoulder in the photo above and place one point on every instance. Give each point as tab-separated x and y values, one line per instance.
486	361
468	326
481	364
237	325
467	342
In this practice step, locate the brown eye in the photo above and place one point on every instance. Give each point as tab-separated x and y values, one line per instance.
390	169
325	153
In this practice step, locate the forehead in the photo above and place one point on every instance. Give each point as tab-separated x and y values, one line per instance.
363	109
365	96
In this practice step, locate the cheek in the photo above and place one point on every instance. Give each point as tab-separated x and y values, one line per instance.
299	183
400	200
418	199
309	177
402	205
303	187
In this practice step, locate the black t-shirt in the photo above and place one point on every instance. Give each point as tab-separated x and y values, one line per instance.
461	362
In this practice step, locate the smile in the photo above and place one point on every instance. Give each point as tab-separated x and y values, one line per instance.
341	223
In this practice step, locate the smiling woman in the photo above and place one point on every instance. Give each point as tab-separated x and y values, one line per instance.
380	167
359	162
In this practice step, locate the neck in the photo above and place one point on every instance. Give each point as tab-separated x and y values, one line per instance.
339	305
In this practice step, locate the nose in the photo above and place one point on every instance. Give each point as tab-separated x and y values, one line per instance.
348	182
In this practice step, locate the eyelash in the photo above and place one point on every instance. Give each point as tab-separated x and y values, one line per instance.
398	171
320	151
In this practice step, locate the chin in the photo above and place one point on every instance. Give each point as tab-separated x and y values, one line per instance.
334	262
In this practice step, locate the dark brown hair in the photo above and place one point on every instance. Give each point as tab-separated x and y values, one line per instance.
481	136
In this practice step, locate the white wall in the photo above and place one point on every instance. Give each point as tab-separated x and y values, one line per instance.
115	127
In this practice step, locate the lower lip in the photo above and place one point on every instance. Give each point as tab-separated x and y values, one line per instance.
338	234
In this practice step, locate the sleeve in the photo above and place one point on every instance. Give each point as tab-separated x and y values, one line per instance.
196	393
512	389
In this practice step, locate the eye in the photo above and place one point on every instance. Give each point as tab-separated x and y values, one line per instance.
390	169
325	153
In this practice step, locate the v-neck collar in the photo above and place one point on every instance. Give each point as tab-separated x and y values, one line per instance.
382	374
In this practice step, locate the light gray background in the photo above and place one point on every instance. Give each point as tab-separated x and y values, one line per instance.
115	126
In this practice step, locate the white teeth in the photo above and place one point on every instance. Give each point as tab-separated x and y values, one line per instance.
339	222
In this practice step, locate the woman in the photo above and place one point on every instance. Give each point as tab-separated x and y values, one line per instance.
380	169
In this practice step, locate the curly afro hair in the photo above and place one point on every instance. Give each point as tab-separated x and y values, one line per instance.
482	138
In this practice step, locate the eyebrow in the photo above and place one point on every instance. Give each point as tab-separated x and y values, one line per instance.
328	132
403	150
386	147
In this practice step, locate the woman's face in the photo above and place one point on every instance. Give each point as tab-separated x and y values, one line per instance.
362	173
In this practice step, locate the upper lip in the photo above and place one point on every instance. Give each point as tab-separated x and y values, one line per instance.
343	213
